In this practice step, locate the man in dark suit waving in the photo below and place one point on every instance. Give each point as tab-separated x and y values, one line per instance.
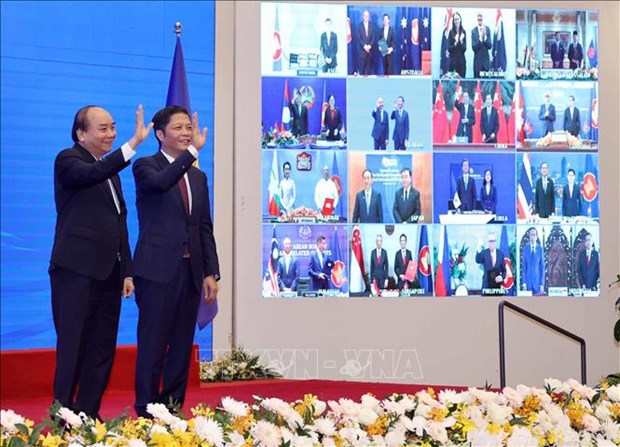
90	266
492	260
381	126
407	206
468	118
175	258
368	206
401	125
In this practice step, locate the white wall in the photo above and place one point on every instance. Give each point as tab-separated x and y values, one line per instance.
431	341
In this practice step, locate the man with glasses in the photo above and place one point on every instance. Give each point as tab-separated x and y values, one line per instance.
492	260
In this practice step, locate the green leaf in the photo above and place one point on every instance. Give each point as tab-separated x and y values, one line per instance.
617	331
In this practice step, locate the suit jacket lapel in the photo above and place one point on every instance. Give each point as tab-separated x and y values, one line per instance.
88	157
163	163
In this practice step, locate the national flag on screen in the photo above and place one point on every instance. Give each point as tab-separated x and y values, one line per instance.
445	43
425	28
286	111
442	277
478	101
338	181
456	115
519	112
594	114
499	44
511	120
277	44
592	55
178	94
274	187
425	275
350	46
509	278
272	266
525	194
589	188
414	38
339	274
374	288
358	270
405	63
498	104
441	129
325	105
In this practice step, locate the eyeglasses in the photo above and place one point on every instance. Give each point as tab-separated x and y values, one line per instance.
492	240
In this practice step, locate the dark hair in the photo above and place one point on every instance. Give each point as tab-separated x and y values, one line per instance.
402	236
320	239
485	174
463	161
328	20
162	118
80	122
453	30
571	170
286	163
406	169
575	33
386	15
365	171
571	97
400	97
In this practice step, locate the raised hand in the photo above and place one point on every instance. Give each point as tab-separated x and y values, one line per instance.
140	132
198	138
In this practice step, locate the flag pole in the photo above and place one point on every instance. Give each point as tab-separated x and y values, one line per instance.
178	28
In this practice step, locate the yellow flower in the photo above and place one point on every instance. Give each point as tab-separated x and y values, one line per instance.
508	428
464	425
203	410
242	424
575	413
100	430
163	440
493	428
52	441
438	414
531	404
378	427
249	442
432	392
184	438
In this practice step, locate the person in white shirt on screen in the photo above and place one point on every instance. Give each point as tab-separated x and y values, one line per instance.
287	188
325	188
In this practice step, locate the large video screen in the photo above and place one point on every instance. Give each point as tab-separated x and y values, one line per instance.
429	152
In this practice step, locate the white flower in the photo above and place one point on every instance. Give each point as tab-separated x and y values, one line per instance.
584	390
328	442
209	430
437	432
590	423
266	434
611	430
521	437
319	407
161	412
602	412
8	420
304	441
370	402
236	439
498	414
515	399
482	438
602	442
395	438
69	417
416	425
324	426
613	392
553	384
157	428
234	407
178	424
136	443
367	416
450	396
394	407
353	435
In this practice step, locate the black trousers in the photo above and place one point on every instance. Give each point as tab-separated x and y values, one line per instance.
166	325
86	313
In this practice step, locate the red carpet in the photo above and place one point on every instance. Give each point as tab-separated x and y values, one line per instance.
27	377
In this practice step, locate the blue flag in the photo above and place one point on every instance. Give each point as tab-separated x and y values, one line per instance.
414	36
499	44
445	43
589	188
178	91
277	44
425	276
509	280
592	55
405	63
425	28
339	211
338	277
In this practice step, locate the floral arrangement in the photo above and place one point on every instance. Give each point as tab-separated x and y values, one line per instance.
238	364
561	414
304	213
458	269
278	138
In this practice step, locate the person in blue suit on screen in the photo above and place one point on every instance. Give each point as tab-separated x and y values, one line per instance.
288	268
488	193
547	114
401	125
368	206
533	265
466	189
588	269
572	122
320	267
571	196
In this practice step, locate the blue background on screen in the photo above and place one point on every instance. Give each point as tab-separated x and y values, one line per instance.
56	58
447	169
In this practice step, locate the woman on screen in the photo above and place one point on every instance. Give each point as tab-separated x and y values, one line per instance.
458	45
333	120
488	193
287	188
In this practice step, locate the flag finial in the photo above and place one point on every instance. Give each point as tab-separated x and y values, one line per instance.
178	28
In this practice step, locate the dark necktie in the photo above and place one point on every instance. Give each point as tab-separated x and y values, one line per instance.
184	194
